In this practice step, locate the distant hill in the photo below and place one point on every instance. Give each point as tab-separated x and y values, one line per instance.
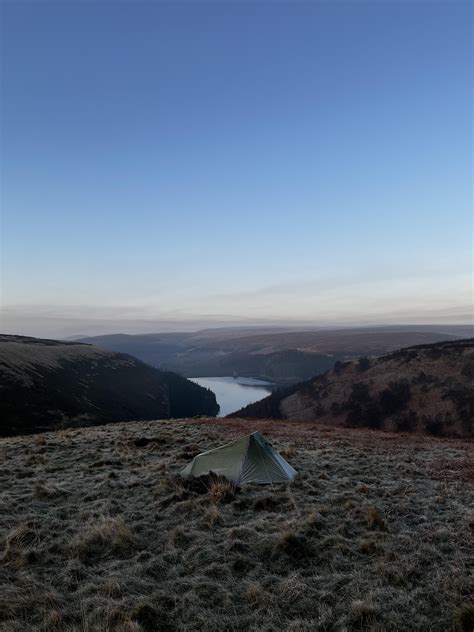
49	384
426	388
283	356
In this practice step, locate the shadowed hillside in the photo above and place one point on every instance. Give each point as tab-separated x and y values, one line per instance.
50	384
427	388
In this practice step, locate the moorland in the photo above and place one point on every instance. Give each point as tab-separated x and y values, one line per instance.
98	533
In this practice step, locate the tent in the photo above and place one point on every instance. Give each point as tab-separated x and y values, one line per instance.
251	459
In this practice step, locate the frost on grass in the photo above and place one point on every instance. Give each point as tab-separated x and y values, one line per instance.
98	532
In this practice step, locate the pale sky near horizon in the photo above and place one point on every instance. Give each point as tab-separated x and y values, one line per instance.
176	164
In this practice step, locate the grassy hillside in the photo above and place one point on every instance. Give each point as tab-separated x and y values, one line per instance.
427	388
50	384
98	534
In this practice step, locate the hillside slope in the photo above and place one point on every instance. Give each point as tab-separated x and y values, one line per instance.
284	356
374	534
427	388
199	355
50	384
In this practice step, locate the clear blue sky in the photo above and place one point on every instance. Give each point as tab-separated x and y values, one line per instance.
227	162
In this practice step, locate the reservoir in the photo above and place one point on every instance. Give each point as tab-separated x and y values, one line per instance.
232	393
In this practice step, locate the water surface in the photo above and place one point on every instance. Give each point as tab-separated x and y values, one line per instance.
233	393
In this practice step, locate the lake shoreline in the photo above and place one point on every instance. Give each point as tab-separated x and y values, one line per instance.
233	393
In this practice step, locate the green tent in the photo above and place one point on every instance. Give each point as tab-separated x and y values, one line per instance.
251	459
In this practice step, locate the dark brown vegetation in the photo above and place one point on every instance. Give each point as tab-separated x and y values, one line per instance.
98	533
47	384
428	388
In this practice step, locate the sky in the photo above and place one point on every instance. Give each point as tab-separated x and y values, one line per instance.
173	165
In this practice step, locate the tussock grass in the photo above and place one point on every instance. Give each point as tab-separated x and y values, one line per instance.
294	545
214	517
221	490
21	546
375	519
218	489
100	534
292	589
288	452
108	537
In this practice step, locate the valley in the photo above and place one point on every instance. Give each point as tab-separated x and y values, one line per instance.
281	355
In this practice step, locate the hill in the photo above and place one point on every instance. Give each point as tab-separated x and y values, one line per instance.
277	355
426	388
374	534
47	384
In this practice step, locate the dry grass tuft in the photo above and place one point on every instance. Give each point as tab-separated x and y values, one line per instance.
189	452
371	546
288	452
291	589
221	490
55	618
112	587
314	521
375	519
214	516
20	544
363	612
109	537
293	545
40	440
178	485
257	596
150	619
267	503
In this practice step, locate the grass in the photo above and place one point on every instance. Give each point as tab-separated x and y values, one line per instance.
99	533
221	490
